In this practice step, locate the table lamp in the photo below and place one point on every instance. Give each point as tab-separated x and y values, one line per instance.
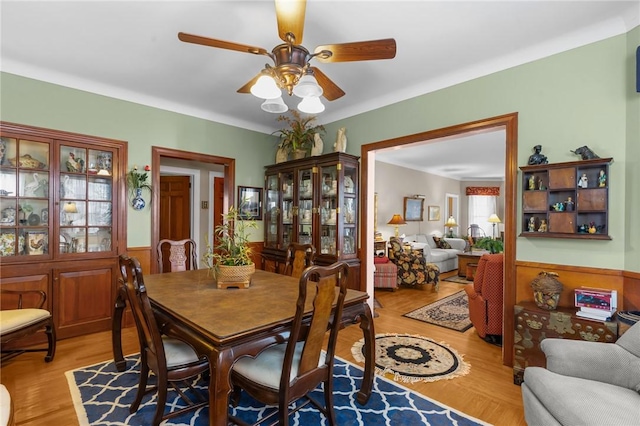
397	221
450	223
494	219
69	210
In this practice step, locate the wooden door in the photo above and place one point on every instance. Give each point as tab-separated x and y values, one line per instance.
218	205
175	212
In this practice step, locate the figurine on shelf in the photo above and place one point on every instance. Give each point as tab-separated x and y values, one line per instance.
543	225
585	153
592	228
584	181
602	179
74	164
532	224
532	182
541	186
318	145
536	157
341	141
569	204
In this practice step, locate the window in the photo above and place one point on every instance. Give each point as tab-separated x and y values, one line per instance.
480	208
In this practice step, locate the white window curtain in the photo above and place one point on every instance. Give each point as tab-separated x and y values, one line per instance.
480	208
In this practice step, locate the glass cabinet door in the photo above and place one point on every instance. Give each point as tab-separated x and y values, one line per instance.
288	208
329	210
305	206
349	211
271	210
24	197
86	200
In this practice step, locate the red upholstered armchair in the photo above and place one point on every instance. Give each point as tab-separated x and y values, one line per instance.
485	297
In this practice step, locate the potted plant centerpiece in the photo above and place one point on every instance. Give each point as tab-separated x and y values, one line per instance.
487	243
230	259
298	138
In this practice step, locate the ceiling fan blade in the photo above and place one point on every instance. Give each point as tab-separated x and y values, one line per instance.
359	51
330	90
290	14
212	42
247	87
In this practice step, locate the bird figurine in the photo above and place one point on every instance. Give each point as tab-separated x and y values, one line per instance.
75	165
31	188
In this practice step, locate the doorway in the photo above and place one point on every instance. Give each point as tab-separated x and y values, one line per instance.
508	123
160	156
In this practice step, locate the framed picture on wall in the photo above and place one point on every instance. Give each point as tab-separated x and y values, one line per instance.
434	213
413	209
250	202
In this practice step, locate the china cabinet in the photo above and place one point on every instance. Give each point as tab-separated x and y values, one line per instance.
62	221
566	200
314	201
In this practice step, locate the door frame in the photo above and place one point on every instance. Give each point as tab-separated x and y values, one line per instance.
157	154
508	122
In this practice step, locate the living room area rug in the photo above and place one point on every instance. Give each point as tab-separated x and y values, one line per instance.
412	358
102	396
451	312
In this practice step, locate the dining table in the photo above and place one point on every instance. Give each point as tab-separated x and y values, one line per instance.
226	324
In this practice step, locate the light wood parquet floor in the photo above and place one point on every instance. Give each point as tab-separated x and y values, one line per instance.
41	393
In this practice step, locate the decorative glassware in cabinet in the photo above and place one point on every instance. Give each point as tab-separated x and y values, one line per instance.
305	206
349	242
271	206
73	159
100	163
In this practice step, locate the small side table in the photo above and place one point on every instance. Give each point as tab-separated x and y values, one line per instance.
380	245
465	259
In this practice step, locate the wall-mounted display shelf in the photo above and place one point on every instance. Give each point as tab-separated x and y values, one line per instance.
566	200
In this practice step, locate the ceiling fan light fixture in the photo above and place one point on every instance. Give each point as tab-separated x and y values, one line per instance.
311	105
274	106
266	88
307	86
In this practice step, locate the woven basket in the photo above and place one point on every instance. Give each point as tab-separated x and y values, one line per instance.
546	290
235	276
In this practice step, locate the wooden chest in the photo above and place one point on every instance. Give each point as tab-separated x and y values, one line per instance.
533	325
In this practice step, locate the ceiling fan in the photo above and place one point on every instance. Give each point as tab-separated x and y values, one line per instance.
292	70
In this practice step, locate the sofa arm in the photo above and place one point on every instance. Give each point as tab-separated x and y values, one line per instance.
603	362
457	243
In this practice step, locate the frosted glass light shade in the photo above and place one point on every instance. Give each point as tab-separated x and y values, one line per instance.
266	88
307	86
311	105
275	106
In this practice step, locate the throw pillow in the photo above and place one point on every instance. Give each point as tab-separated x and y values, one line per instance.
441	243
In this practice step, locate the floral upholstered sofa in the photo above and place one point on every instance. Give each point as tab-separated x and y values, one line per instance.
443	256
413	269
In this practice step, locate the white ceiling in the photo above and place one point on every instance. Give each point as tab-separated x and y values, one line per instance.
130	50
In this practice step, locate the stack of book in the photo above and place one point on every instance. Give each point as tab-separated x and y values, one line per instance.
596	303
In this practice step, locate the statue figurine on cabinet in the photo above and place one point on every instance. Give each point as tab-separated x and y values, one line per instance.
318	145
584	181
532	182
537	157
543	225
341	141
602	179
532	224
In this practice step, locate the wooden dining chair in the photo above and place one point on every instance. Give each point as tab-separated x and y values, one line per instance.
172	361
298	258
177	255
28	317
287	372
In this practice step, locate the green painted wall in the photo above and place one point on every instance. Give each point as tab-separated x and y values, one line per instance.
585	96
36	103
632	195
579	97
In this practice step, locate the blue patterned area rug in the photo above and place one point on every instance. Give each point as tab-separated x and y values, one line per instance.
102	396
451	312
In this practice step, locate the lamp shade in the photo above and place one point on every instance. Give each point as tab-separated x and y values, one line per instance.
397	220
494	219
311	105
307	86
451	222
70	207
275	106
266	88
